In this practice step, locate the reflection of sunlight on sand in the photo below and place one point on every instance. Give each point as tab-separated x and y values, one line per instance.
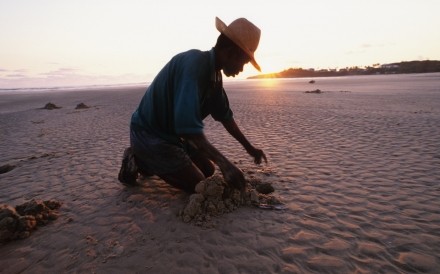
270	84
271	92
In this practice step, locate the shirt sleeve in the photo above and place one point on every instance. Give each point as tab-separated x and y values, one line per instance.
220	109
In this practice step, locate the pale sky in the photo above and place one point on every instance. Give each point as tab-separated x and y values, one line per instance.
84	42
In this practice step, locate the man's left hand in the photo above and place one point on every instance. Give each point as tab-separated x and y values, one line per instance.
258	155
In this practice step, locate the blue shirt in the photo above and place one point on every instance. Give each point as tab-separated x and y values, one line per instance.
185	92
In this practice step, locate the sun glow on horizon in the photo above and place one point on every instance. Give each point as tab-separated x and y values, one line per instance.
269	83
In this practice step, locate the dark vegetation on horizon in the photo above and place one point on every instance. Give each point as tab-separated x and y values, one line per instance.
393	68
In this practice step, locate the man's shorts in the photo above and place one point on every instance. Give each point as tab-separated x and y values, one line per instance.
156	156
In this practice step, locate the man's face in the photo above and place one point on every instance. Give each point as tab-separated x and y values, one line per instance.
235	63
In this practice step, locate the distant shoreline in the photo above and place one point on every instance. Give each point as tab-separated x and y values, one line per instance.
286	74
406	67
72	87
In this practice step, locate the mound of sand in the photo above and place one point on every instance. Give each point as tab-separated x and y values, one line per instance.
317	91
214	197
6	168
81	106
50	106
18	222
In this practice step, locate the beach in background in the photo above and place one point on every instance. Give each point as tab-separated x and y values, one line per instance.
357	166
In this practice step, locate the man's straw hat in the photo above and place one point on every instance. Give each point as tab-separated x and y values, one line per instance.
243	33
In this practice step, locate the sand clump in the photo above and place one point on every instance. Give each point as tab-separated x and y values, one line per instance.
19	222
213	197
317	91
81	106
6	168
51	106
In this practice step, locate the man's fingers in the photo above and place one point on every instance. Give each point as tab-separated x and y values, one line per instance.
260	155
264	157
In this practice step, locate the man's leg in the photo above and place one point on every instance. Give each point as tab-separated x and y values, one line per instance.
186	178
170	162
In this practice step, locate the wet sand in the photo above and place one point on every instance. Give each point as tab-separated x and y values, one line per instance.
358	171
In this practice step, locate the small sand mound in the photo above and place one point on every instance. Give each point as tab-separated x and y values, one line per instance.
51	106
6	168
264	188
214	197
317	91
18	222
81	106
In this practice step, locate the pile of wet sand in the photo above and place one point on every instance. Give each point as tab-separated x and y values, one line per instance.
81	106
18	222
50	106
214	197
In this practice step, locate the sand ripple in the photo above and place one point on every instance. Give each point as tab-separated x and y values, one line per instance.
358	173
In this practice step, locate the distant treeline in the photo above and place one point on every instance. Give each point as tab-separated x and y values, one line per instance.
393	68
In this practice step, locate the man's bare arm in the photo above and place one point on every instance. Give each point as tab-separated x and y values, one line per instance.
232	174
233	129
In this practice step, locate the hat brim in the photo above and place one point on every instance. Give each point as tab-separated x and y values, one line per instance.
223	28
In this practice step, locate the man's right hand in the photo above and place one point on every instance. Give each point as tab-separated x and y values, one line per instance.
232	174
234	177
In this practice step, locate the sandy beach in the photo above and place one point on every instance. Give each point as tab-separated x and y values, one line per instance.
357	166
